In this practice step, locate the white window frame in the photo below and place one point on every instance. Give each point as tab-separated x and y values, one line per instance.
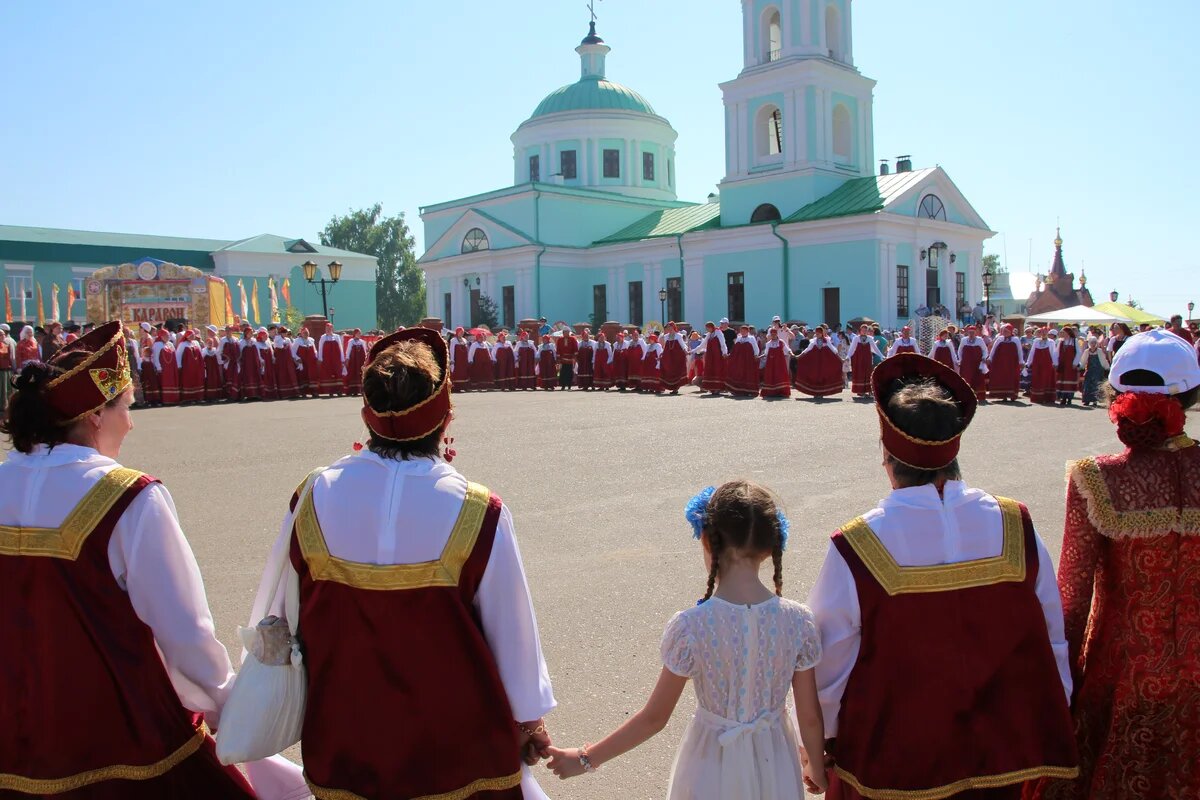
20	279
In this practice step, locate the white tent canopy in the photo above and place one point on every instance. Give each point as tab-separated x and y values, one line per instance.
1082	314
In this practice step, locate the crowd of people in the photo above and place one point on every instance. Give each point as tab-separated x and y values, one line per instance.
906	680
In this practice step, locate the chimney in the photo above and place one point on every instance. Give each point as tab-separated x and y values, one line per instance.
884	168
903	164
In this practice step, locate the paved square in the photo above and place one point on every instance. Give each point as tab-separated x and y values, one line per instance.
597	484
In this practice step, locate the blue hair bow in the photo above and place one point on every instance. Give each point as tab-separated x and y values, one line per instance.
696	513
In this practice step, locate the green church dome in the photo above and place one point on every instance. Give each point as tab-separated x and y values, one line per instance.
593	93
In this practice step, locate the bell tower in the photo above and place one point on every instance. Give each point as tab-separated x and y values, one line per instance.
798	119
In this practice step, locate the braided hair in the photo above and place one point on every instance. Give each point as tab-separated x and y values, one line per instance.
743	516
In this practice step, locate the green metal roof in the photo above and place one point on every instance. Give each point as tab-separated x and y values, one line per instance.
860	196
671	222
61	236
270	243
592	93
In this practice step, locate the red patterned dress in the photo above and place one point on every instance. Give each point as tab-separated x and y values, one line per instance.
1130	582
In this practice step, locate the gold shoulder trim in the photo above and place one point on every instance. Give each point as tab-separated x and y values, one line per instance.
66	541
966	784
117	772
446	571
481	785
1008	567
1139	523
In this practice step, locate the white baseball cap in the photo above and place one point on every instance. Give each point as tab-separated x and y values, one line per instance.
776	319
1160	352
724	321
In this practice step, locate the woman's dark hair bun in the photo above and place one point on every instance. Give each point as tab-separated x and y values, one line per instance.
34	374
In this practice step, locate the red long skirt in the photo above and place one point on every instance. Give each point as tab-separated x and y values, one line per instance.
270	387
674	366
1068	373
942	355
1004	373
650	373
861	366
776	381
585	367
1042	380
620	367
742	377
526	374
214	384
168	378
506	377
819	372
287	380
970	367
151	388
356	359
309	378
633	367
713	378
547	370
601	369
331	368
250	374
231	354
482	370
460	372
191	376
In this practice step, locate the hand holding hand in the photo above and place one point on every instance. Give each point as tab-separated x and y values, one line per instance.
534	740
565	763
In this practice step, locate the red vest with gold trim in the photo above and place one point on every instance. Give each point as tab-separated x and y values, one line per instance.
956	686
84	696
404	696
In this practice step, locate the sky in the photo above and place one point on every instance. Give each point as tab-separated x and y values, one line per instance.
227	119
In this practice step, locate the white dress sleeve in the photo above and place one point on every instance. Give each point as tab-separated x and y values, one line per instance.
153	562
834	604
510	627
678	647
808	639
1048	595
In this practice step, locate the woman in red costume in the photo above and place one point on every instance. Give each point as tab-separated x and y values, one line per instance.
741	378
526	353
620	364
651	371
250	368
266	354
333	362
506	366
635	353
356	359
972	362
162	353
460	361
27	349
602	363
189	358
819	368
547	365
214	381
118	667
776	380
674	359
230	350
309	376
942	350
1042	363
861	356
1130	579
715	353
479	354
1004	366
459	720
287	378
1068	370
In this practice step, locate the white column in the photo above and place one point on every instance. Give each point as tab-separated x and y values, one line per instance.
433	296
612	296
748	36
656	282
633	178
848	35
745	139
916	276
790	138
799	128
886	274
806	31
864	167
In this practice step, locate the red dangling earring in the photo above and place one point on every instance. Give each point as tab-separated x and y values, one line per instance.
358	446
449	453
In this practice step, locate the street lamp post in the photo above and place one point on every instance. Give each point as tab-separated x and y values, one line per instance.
662	307
988	278
1191	308
335	274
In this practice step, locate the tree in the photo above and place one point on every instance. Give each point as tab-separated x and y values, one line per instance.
489	314
991	262
399	282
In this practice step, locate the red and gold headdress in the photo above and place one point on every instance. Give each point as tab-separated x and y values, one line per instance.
427	416
91	384
892	374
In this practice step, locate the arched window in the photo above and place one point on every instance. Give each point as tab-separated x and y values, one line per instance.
843	133
765	213
769	132
474	241
932	208
772	35
833	32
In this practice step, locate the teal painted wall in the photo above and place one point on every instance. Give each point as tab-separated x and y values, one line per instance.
351	303
850	266
46	274
576	222
498	239
564	296
763	283
788	192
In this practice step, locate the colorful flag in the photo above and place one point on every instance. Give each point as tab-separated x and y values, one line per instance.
286	291
71	298
41	312
54	302
274	299
8	309
242	289
254	302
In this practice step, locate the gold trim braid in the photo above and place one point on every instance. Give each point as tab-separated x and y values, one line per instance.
481	785
966	784
121	772
1008	567
446	571
1135	523
66	541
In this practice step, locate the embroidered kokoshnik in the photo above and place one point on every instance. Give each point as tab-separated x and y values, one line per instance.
124	772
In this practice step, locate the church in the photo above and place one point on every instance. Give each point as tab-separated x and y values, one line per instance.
803	226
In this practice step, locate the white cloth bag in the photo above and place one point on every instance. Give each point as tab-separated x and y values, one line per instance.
265	710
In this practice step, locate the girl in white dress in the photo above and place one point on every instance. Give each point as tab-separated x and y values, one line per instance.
745	647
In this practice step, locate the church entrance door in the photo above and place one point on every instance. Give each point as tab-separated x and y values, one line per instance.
833	307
